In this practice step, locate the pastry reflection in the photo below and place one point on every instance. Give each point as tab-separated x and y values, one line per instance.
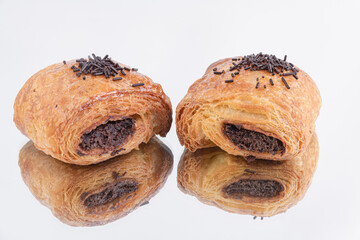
260	188
96	194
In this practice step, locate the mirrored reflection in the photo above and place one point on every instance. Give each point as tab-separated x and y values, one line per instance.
260	188
96	194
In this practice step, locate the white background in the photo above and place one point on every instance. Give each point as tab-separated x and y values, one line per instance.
173	43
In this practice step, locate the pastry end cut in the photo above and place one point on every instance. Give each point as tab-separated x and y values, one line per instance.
110	193
253	188
108	136
253	141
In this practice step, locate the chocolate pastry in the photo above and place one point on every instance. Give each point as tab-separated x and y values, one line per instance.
259	188
85	111
267	110
100	193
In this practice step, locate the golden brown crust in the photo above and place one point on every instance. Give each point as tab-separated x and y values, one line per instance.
286	114
63	187
206	172
55	108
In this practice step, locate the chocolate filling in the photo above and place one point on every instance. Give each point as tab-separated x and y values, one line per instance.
111	193
254	188
252	141
108	136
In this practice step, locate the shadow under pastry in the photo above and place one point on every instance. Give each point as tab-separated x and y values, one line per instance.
260	188
100	193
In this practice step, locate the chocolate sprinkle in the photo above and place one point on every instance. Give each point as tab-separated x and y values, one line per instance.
257	85
64	62
288	74
144	203
285	83
138	84
117	78
229	81
219	73
271	82
97	66
266	62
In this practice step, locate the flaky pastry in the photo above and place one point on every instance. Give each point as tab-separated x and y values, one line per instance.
87	118
255	106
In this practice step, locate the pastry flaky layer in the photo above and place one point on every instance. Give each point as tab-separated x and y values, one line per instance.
259	188
96	194
86	121
281	121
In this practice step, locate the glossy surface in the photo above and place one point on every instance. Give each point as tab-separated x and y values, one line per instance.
100	193
173	42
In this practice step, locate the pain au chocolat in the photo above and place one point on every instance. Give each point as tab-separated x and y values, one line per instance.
99	193
87	110
257	106
260	188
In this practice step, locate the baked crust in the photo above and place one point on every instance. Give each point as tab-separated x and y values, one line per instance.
64	188
285	114
55	108
205	174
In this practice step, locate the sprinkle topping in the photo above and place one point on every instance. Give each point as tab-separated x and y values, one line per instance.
219	73
262	62
285	83
271	82
97	66
265	62
138	84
